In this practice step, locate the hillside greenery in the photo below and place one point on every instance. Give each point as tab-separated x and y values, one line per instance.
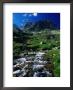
47	41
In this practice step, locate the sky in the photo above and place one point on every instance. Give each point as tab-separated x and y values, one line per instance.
21	19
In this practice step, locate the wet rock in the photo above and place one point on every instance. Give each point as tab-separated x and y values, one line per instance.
32	66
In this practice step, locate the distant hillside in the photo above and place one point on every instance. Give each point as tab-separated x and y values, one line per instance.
19	35
39	26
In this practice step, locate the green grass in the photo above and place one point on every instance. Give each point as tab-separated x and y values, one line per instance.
51	44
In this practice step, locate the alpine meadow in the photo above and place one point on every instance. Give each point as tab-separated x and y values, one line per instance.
36	44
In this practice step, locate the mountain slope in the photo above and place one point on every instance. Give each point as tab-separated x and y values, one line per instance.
39	26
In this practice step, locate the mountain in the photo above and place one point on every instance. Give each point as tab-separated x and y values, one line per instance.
16	28
39	25
19	35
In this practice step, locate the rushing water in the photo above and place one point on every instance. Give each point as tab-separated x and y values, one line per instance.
28	67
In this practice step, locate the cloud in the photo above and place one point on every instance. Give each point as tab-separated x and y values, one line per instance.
30	15
24	15
34	14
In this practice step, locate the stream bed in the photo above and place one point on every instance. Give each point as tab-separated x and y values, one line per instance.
28	66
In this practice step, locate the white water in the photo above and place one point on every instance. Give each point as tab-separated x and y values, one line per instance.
37	66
